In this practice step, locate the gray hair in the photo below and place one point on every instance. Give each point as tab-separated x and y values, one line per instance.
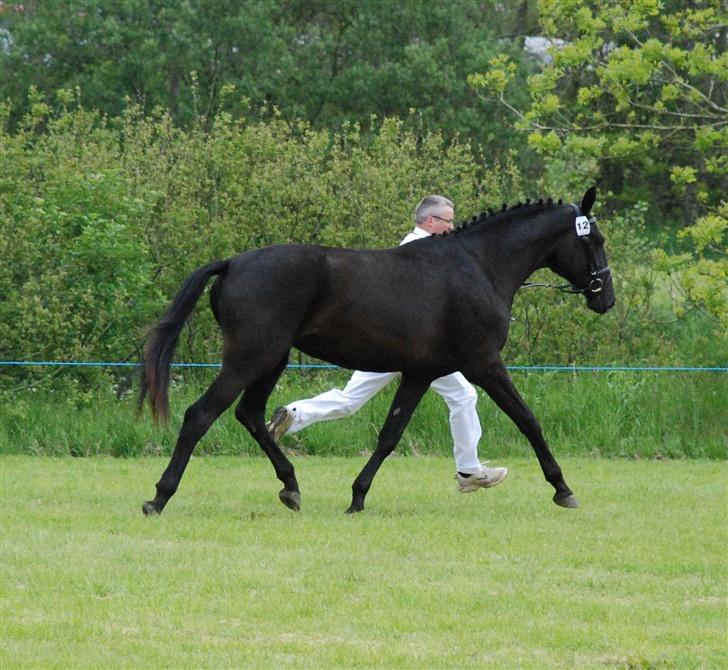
429	206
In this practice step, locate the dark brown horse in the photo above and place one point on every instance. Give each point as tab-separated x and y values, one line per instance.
426	309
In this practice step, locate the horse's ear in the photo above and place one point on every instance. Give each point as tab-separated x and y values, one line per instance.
589	199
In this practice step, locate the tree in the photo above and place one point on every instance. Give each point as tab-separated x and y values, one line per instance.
326	62
636	95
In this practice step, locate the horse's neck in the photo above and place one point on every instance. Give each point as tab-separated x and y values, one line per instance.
510	251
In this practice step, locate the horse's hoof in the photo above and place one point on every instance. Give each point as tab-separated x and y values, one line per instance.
353	509
567	501
291	499
150	509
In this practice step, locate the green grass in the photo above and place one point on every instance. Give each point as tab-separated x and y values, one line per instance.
424	578
644	415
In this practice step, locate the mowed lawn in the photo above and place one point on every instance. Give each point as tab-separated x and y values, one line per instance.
425	578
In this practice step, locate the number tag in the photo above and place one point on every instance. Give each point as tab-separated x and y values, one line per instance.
582	226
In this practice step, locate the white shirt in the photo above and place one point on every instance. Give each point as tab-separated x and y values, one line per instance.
417	234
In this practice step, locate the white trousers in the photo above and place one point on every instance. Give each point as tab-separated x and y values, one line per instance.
457	392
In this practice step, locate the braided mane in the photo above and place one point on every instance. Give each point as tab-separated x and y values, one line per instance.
490	215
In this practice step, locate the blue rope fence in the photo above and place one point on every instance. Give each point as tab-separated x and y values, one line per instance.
532	368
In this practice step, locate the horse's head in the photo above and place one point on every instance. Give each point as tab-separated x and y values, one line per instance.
580	257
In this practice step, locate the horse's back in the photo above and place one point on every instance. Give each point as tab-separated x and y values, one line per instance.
275	281
291	279
386	309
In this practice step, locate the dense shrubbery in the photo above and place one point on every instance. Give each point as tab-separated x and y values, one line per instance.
328	62
103	213
102	220
636	96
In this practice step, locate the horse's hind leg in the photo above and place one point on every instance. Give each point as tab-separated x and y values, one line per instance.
251	413
198	418
498	385
405	401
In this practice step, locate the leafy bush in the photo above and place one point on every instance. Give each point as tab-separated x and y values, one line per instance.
635	95
102	220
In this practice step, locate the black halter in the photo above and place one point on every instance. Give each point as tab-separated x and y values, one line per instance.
595	283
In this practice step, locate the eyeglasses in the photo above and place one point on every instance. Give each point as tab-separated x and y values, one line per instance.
441	219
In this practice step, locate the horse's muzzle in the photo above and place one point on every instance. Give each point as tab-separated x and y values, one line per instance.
603	300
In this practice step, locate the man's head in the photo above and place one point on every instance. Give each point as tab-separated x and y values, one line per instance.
434	214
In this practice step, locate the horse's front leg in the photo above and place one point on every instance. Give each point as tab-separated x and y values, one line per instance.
498	385
405	401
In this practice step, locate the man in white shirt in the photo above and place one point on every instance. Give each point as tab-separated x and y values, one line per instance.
433	215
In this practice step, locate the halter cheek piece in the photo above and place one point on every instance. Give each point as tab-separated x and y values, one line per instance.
596	284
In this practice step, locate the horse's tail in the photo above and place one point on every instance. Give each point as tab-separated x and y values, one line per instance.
162	339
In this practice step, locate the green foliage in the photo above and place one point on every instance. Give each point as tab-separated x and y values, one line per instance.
699	277
561	325
76	272
621	414
140	140
102	220
325	62
636	96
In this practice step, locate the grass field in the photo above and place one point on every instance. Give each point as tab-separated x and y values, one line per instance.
424	578
643	415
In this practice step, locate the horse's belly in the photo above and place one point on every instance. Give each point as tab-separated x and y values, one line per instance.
359	354
344	353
